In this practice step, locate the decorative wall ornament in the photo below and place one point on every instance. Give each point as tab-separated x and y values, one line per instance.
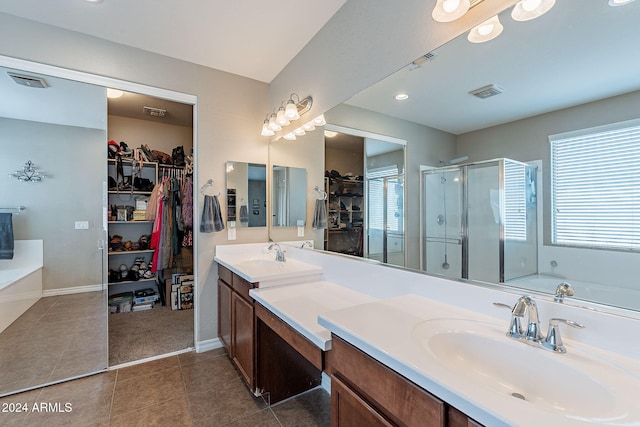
28	173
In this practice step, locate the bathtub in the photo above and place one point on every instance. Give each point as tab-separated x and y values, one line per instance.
604	294
20	280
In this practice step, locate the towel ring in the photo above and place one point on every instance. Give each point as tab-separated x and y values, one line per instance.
207	185
323	194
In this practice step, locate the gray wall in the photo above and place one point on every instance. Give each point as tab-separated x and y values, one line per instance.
71	192
230	112
425	146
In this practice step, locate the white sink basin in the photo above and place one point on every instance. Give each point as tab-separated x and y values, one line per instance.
269	272
573	384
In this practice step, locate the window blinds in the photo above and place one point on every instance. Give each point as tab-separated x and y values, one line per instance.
596	187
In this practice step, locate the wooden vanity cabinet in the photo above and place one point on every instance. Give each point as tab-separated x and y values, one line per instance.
236	322
365	392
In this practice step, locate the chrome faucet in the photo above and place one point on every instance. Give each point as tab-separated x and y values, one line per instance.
564	289
279	252
526	306
306	244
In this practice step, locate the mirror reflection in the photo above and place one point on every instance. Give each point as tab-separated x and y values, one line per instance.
551	102
247	194
53	315
289	196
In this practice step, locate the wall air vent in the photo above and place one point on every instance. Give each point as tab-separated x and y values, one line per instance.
487	91
155	112
29	81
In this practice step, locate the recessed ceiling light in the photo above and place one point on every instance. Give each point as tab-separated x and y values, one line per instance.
114	93
94	1
330	133
619	2
401	97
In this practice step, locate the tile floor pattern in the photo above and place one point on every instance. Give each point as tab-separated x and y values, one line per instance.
191	389
59	337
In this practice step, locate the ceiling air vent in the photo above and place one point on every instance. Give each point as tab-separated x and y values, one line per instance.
30	81
424	58
155	112
487	91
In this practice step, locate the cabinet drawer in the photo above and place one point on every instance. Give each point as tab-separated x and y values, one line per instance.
225	274
241	286
393	396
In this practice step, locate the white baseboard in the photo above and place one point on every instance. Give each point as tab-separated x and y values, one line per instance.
74	290
149	359
206	345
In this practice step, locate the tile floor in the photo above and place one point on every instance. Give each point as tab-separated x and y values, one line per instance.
191	389
58	337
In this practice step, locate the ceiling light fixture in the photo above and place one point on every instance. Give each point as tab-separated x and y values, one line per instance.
401	97
114	93
619	2
450	10
526	10
94	1
488	30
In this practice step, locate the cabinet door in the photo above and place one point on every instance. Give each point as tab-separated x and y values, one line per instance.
242	333
350	410
224	315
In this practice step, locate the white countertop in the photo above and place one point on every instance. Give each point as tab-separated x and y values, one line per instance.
300	305
263	269
386	331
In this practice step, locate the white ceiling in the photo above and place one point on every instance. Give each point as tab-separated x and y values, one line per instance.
251	38
579	52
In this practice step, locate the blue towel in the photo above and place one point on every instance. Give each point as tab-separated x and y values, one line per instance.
320	215
244	213
6	236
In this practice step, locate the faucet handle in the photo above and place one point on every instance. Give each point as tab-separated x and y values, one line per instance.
564	289
515	328
553	341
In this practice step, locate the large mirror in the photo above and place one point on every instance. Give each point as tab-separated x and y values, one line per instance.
570	70
53	308
246	194
288	196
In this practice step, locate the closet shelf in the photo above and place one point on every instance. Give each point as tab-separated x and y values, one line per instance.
129	192
130	222
148	251
128	282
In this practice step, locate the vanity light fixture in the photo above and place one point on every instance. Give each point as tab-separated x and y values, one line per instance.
450	10
619	2
526	10
299	132
401	97
330	133
286	113
308	127
488	30
290	136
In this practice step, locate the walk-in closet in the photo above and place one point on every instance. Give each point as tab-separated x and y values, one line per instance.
149	214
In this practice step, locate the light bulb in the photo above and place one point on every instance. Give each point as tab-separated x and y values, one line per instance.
319	121
281	118
265	129
450	5
273	125
291	110
530	5
401	97
488	30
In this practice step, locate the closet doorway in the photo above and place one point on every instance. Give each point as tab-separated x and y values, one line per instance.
150	227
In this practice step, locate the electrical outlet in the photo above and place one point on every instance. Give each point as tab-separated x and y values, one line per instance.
82	225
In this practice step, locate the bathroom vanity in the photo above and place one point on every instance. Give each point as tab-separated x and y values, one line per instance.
402	348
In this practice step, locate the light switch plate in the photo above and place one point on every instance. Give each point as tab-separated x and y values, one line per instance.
82	225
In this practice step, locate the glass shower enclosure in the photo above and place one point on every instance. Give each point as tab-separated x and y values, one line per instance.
479	220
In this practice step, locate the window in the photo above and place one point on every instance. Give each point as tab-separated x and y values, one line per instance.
375	184
595	176
515	197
